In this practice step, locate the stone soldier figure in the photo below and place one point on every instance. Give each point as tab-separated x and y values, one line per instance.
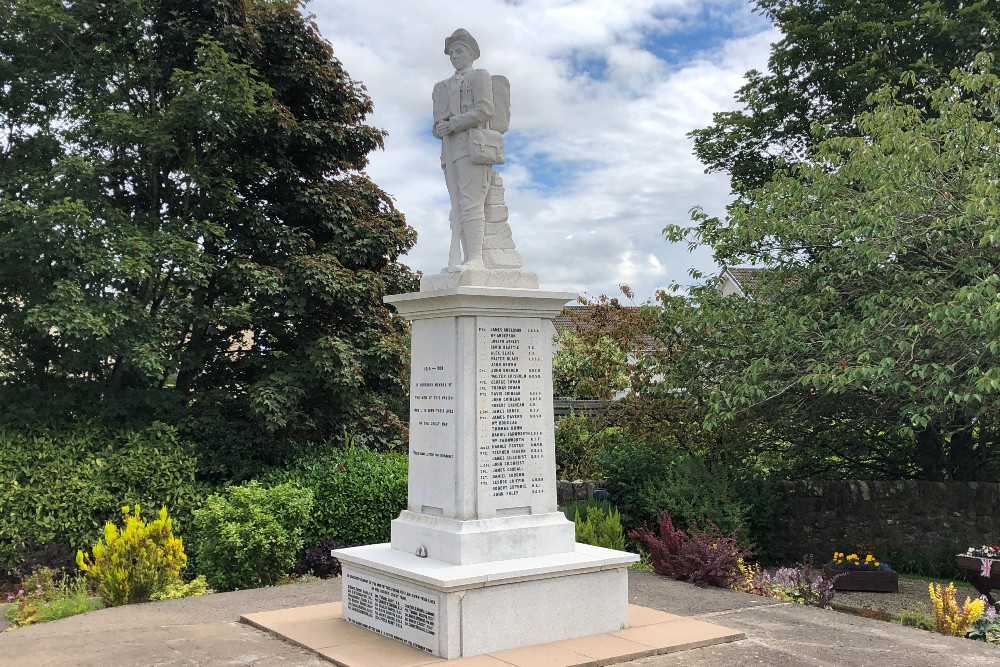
463	109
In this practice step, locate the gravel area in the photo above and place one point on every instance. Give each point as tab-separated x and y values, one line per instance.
912	595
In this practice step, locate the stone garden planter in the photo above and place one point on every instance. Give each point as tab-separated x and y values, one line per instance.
864	580
970	567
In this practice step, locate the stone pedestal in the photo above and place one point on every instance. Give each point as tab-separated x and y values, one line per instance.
481	559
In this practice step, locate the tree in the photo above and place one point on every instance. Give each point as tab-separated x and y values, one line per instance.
186	228
588	370
877	321
832	56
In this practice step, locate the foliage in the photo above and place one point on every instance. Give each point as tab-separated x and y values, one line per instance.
831	56
938	563
853	562
948	618
58	487
131	564
585	368
751	578
703	557
802	584
51	556
46	596
600	527
584	507
249	536
986	628
647	479
869	346
362	490
580	446
192	175
318	560
915	618
183	589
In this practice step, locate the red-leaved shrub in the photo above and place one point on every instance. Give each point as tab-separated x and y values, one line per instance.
663	548
703	557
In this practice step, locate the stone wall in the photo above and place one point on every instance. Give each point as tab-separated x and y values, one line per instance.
903	517
579	489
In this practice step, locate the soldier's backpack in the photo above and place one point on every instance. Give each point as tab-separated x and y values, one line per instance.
501	104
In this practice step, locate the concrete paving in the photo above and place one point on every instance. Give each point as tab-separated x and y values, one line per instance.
206	632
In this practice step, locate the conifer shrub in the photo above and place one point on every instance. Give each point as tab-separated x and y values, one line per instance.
249	536
600	527
131	564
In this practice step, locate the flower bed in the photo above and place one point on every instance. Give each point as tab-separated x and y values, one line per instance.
863	580
854	574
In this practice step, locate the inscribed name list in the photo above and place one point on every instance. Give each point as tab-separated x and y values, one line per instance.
511	459
405	613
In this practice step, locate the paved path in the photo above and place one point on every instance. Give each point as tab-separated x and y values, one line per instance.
205	632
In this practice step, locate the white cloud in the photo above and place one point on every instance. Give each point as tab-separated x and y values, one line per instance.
598	162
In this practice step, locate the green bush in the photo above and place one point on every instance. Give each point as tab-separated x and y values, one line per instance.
939	564
600	527
60	486
131	564
646	480
181	589
584	507
250	536
359	491
916	618
580	446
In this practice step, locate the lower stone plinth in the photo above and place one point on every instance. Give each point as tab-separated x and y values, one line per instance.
322	629
457	611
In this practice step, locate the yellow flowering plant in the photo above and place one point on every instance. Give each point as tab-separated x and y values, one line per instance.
948	619
854	562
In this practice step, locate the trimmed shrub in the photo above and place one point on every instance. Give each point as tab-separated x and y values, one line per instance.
58	487
360	491
249	536
130	565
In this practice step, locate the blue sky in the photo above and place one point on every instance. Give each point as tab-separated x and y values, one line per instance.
603	95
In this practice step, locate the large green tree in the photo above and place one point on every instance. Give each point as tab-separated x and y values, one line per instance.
831	56
186	229
872	343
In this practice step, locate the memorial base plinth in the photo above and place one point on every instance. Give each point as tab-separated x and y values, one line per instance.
455	611
479	541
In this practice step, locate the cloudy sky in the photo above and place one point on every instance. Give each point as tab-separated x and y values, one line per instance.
603	93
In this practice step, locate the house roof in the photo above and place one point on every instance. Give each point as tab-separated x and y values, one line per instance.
747	277
567	319
574	318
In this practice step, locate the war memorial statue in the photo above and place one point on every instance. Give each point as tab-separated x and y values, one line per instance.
481	559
